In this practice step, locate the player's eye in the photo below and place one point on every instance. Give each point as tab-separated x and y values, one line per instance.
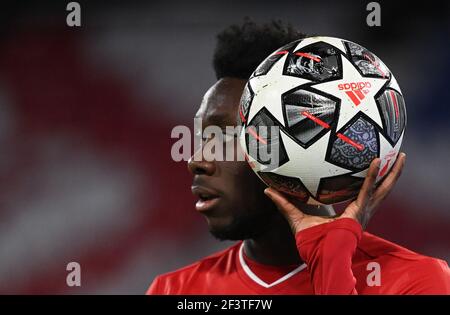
208	137
203	137
226	135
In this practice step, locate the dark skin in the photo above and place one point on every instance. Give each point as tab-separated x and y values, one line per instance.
236	204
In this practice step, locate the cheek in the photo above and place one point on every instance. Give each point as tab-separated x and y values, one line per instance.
244	171
234	155
247	187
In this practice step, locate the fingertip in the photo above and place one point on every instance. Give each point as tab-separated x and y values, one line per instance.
378	162
272	193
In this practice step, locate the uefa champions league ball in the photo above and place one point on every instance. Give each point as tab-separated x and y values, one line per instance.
315	113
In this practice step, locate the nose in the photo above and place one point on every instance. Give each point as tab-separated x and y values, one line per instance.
198	166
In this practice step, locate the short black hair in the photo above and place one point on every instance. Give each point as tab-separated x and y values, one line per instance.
241	48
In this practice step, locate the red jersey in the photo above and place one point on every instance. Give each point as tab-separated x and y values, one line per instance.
339	259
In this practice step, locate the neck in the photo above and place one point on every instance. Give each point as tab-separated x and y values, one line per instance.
277	246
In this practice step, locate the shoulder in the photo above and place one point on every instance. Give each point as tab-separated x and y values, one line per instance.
408	271
217	264
428	275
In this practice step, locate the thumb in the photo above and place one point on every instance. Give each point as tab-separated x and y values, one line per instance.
292	214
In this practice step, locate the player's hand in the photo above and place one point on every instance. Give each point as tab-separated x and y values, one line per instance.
362	209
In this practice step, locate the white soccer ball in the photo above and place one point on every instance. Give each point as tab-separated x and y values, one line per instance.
333	107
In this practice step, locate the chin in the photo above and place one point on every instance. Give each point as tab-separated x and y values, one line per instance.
226	235
218	223
234	229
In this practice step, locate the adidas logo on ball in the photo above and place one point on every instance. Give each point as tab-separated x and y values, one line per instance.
355	90
354	86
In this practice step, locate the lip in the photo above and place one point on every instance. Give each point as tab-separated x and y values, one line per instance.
208	198
205	205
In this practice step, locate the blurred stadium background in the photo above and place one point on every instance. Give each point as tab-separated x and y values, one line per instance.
85	120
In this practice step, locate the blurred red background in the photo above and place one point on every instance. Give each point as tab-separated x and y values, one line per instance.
86	114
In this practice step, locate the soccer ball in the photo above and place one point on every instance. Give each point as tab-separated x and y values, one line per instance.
315	113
